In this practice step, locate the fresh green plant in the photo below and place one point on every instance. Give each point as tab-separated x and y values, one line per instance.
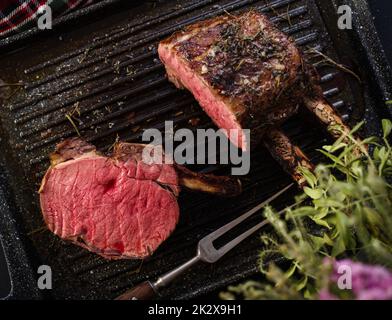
346	210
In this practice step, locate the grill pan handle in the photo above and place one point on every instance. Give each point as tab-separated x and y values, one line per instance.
143	291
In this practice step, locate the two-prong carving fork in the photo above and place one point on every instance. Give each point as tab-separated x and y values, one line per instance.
206	252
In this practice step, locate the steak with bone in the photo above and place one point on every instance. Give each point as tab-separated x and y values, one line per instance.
118	206
246	74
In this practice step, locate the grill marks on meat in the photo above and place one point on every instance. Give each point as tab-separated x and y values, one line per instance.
242	70
117	206
246	74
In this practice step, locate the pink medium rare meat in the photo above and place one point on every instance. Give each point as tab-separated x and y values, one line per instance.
117	206
244	72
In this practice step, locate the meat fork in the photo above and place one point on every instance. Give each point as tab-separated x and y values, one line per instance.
206	252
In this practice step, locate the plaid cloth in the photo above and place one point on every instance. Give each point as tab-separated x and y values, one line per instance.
16	15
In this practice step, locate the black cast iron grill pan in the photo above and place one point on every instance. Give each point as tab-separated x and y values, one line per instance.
105	72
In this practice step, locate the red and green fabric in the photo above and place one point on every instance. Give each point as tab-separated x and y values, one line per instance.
17	15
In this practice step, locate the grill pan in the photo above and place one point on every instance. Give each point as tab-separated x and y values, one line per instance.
103	64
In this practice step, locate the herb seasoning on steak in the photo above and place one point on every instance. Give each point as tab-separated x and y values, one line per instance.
246	74
242	70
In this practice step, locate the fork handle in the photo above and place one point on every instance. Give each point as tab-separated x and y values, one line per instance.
143	291
169	277
148	290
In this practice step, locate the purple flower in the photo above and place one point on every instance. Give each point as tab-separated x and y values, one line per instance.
366	282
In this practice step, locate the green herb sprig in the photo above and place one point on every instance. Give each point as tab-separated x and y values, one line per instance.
346	210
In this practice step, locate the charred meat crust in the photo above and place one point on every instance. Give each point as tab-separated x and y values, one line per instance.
289	156
247	63
71	149
208	183
91	199
118	206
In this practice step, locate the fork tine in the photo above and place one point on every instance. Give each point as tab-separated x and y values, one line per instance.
230	245
233	243
221	231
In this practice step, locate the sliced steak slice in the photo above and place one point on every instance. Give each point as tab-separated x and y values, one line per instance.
117	206
244	72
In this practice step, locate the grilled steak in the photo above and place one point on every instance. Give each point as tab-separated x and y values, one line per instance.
244	72
117	206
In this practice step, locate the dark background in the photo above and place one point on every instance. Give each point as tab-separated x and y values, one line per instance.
382	11
4	280
5	284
